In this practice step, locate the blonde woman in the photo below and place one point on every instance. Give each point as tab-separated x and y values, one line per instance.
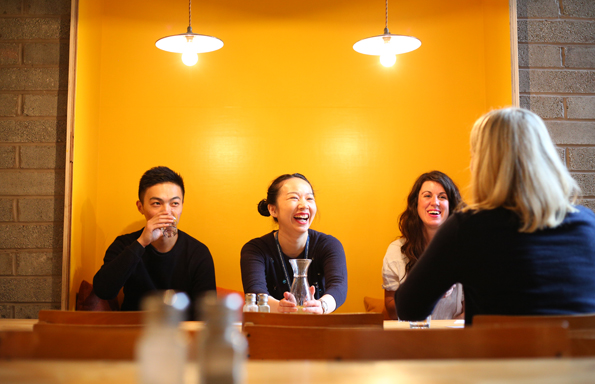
521	246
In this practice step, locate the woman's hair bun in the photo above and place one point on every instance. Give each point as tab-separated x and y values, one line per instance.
263	208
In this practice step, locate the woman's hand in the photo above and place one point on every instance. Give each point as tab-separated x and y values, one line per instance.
289	305
313	306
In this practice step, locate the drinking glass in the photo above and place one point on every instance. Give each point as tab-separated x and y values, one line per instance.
171	230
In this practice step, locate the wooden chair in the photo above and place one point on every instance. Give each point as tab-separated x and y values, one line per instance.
353	320
318	343
581	328
574	321
90	317
77	342
70	343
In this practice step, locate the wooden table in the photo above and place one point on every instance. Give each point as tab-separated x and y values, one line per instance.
522	371
27	324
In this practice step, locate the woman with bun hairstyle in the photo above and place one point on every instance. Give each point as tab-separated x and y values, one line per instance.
520	246
433	197
265	260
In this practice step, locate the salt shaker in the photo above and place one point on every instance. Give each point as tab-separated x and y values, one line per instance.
250	305
161	351
222	347
263	303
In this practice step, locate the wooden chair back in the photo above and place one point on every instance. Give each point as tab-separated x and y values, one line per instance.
318	343
70	343
574	321
352	320
91	317
581	328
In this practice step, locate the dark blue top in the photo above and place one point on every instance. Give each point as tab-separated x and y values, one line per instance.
187	267
262	271
503	271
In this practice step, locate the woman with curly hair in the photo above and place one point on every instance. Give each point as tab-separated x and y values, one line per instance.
433	196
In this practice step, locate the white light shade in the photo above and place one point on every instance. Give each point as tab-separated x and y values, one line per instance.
181	44
387	44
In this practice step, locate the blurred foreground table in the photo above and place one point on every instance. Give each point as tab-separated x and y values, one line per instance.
309	372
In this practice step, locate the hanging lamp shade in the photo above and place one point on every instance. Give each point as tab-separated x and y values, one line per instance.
189	44
387	45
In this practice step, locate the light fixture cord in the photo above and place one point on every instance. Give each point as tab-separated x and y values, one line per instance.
386	32
190	13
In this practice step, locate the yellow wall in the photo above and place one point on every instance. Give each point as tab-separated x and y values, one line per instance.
287	93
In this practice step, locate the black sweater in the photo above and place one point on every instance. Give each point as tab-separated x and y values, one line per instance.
503	271
263	273
187	267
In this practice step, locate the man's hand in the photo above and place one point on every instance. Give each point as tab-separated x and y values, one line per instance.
154	229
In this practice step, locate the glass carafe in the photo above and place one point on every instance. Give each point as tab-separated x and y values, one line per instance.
300	289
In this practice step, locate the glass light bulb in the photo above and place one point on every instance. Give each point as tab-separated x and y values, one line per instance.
388	60
189	58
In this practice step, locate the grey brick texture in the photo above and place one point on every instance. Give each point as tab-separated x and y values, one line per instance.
45	54
34	44
9	104
34	28
39	263
43	79
556	31
580	57
537	8
572	132
6	264
6	311
43	156
540	56
37	209
7	157
580	107
26	236
45	105
10	53
32	183
587	183
33	131
30	311
6	209
44	7
578	8
30	289
548	107
556	81
581	159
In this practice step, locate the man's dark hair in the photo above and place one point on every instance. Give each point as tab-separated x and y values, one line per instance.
159	175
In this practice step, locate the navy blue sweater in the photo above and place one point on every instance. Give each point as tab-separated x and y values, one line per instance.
503	271
187	267
262	271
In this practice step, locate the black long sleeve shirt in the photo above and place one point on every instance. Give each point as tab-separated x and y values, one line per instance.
187	267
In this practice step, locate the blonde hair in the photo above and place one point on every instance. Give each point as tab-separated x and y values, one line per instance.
515	165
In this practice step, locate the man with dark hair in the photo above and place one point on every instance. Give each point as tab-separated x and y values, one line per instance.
159	256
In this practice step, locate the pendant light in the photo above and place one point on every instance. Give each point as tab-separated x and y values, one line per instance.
189	44
387	45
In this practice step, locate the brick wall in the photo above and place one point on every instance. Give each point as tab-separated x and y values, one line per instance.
557	81
34	38
557	78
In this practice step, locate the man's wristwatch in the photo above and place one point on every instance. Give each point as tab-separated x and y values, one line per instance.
324	306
